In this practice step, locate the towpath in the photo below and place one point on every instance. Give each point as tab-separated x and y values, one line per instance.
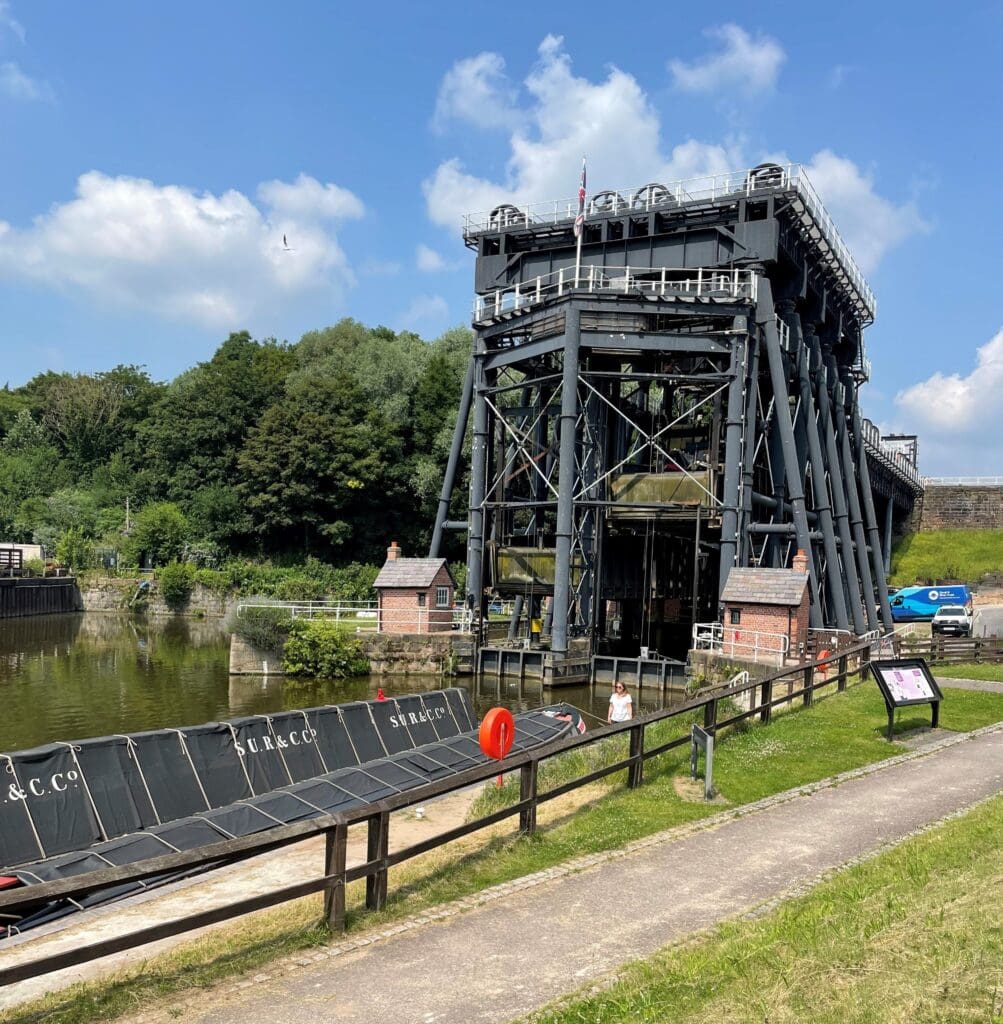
505	953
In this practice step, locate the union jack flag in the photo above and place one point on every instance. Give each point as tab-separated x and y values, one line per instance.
580	219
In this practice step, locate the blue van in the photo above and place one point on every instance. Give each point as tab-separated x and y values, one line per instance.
918	604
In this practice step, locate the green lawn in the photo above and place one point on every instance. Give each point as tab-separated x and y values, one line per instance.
838	733
991	673
946	554
914	936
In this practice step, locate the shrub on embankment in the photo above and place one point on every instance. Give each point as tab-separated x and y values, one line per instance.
322	648
267	629
176	581
943	555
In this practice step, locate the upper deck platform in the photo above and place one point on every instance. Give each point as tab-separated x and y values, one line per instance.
788	181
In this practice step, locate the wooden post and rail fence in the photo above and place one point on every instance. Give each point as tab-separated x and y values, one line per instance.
785	686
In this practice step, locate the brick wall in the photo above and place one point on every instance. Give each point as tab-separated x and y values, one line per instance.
950	507
765	619
400	611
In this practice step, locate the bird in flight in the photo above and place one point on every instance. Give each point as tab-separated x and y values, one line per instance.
285	245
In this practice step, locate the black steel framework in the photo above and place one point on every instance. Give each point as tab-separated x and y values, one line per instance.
684	401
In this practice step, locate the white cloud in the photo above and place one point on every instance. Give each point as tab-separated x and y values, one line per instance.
15	84
476	90
172	251
425	309
956	404
428	260
9	22
869	223
307	197
612	121
743	63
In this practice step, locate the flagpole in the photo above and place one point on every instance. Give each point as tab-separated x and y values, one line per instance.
580	225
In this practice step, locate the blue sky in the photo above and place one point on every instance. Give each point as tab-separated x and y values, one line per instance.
153	157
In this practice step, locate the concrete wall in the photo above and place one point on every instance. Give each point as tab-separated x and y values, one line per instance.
953	507
248	660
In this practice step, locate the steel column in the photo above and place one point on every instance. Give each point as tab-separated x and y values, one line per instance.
566	482
733	456
889	514
478	472
455	451
766	316
871	520
833	577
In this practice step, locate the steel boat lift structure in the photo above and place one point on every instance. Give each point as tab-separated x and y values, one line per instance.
684	401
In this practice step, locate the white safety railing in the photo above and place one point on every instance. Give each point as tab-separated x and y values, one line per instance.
363	616
658	281
733	641
818	226
893	458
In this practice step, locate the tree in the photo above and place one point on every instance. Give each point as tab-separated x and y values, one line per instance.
29	468
193	436
316	468
159	533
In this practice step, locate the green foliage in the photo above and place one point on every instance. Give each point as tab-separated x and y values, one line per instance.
176	580
965	555
321	648
158	534
264	628
34	566
73	549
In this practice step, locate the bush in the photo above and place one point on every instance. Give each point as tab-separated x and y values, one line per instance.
321	648
176	582
75	550
159	533
34	567
264	628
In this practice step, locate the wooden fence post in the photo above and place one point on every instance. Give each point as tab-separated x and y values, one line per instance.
809	685
334	864
528	780
635	773
841	678
766	702
378	848
710	715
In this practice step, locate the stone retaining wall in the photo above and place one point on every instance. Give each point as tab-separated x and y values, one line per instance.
956	507
115	594
248	660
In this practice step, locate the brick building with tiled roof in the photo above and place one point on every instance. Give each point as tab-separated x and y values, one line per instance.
414	595
761	606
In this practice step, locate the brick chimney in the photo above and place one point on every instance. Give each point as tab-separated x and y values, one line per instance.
393	552
799	563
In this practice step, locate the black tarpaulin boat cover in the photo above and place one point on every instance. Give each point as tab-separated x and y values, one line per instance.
71	808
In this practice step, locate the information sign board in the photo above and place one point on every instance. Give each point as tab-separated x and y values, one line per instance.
905	682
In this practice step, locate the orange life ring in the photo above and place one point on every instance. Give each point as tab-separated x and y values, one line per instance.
497	733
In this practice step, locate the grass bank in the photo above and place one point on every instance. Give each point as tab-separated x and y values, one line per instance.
990	673
836	734
946	555
914	935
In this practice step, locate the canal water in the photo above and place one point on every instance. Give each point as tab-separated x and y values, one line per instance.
65	677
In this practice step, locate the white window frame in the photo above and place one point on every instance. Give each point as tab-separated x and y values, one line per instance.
442	597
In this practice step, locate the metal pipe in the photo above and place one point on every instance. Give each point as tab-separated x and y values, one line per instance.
566	483
732	451
749	439
455	451
478	471
889	516
766	317
513	622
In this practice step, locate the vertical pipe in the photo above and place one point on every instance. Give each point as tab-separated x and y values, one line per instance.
856	521
833	577
828	429
566	483
766	316
889	514
871	520
513	622
733	451
478	468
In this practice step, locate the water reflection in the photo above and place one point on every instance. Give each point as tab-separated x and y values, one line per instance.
68	677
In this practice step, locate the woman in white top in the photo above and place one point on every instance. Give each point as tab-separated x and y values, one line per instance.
621	707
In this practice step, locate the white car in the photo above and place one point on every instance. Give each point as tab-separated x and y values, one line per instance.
952	619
